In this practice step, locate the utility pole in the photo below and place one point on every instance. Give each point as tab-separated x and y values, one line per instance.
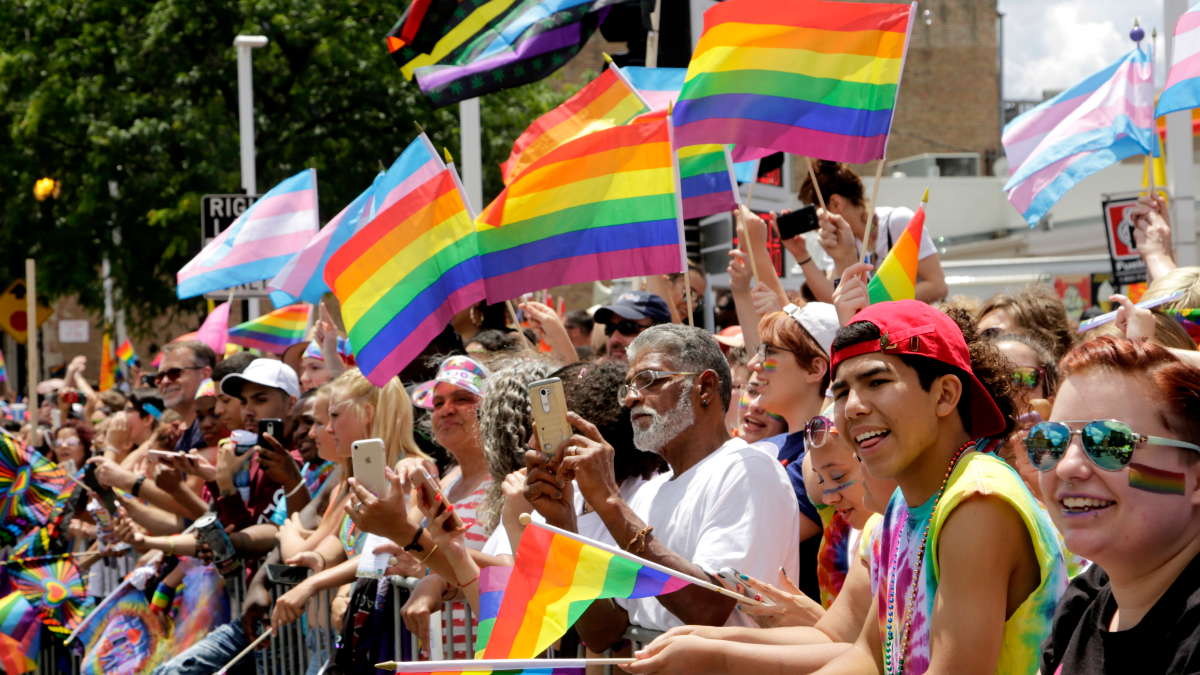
244	44
1179	157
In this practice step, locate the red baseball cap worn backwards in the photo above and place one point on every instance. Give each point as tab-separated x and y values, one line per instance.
912	327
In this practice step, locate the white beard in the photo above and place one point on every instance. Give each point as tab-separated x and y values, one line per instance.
664	427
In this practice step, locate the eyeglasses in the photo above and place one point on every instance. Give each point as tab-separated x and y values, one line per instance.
624	328
989	333
643	380
1107	443
816	431
1028	377
764	350
173	373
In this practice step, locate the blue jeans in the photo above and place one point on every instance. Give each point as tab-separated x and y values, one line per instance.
210	654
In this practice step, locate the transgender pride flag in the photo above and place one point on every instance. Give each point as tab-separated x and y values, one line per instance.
1097	123
259	243
1183	81
303	277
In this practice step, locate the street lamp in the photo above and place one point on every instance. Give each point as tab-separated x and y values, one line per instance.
46	187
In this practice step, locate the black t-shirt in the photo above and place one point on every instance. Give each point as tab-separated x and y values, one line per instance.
1166	640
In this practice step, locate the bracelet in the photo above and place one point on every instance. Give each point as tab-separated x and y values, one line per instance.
806	261
295	489
639	539
471	581
323	563
414	546
171	543
422	560
137	485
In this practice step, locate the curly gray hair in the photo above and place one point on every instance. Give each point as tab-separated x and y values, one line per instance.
505	422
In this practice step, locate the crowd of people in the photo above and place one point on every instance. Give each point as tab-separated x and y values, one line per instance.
928	485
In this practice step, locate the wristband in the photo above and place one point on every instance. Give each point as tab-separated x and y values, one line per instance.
836	282
806	261
137	485
414	546
295	489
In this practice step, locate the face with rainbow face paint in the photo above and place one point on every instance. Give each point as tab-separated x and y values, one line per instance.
840	481
755	423
1111	517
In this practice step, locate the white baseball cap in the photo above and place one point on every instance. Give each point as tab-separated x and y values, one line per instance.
267	372
820	319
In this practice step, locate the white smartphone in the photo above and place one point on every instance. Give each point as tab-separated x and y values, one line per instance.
369	462
164	453
549	411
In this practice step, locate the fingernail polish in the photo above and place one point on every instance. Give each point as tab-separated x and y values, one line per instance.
758	597
745	578
739	608
449	507
437	498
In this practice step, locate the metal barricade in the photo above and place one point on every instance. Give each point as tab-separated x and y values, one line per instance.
288	652
404	586
53	658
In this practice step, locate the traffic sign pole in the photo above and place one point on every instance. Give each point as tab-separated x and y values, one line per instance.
31	344
244	44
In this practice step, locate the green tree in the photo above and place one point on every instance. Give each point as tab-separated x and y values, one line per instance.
132	105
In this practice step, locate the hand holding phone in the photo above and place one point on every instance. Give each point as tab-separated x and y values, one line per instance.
433	501
269	426
549	408
369	461
796	223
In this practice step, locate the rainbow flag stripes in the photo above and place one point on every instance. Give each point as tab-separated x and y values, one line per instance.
811	77
706	180
603	206
126	354
897	275
404	275
488	667
554	580
608	101
3	372
273	332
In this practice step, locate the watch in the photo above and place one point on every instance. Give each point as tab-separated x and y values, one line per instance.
137	485
414	546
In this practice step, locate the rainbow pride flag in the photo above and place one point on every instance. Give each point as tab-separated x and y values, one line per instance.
3	372
812	77
706	180
126	354
607	101
603	206
897	275
487	667
273	332
404	275
555	579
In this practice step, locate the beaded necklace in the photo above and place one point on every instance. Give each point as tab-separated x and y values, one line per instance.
897	666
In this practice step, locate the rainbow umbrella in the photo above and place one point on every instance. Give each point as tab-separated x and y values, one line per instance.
20	634
29	485
55	589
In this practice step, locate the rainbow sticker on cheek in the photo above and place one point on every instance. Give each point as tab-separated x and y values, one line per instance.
1155	480
744	401
769	365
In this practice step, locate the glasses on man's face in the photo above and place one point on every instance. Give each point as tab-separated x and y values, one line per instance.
993	332
1108	444
173	373
624	328
643	381
1028	377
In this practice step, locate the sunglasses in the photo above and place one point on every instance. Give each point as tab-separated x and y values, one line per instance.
173	373
1028	377
1108	444
816	431
624	328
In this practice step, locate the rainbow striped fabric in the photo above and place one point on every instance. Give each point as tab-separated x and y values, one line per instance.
607	101
303	277
1094	124
1183	80
604	206
896	278
554	580
3	372
273	332
405	274
126	354
259	243
488	667
812	77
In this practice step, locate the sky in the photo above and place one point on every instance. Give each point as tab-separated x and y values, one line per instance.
1052	44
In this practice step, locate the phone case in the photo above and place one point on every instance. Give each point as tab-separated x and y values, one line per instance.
549	414
369	462
430	485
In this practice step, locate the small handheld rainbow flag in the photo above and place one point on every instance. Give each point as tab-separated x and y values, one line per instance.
498	666
273	332
126	354
556	577
3	373
897	275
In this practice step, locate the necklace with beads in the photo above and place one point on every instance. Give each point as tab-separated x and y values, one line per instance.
892	658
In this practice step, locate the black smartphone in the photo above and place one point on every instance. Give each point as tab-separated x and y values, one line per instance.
287	575
147	380
796	223
270	426
106	495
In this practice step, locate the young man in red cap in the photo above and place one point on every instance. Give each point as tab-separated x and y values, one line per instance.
969	570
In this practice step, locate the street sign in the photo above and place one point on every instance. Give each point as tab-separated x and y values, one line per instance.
217	213
13	310
1127	265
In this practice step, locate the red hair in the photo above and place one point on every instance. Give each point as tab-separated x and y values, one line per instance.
1173	385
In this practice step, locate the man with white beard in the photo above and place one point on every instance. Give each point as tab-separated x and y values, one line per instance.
723	503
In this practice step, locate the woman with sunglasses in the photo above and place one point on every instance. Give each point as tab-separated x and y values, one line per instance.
791	366
1120	473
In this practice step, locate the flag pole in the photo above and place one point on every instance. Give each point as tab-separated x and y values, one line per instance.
495	665
266	634
31	342
517	322
687	282
816	186
527	520
867	248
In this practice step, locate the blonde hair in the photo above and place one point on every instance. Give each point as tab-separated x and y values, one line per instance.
1181	279
393	421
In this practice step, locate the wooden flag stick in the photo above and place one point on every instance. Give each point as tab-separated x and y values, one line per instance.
816	186
867	247
1150	175
266	634
31	340
516	322
746	231
494	665
687	284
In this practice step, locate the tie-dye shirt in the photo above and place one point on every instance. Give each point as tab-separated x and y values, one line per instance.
902	529
838	543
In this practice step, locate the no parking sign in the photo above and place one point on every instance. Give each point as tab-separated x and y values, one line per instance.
1127	265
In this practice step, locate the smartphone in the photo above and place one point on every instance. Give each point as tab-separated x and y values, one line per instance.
369	463
796	223
287	575
733	581
429	488
105	494
549	414
147	380
165	454
270	426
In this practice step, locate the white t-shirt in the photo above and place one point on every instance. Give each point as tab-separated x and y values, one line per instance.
895	219
735	508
